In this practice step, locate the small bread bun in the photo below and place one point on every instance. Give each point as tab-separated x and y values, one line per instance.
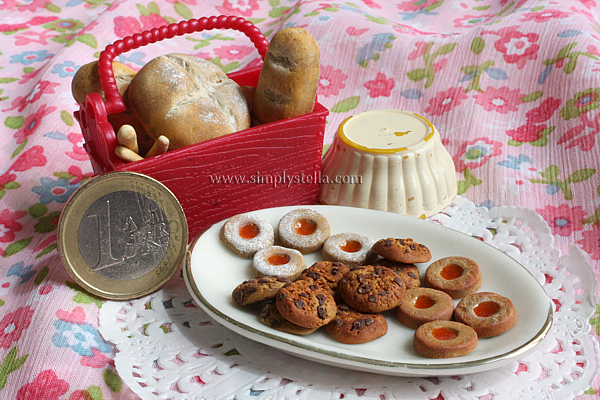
289	78
87	80
187	99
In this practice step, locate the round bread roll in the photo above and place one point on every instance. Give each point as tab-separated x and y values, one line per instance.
87	80
187	99
289	78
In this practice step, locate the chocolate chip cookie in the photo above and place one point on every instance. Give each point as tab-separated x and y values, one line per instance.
256	290
271	317
326	274
306	304
402	250
409	273
352	327
372	289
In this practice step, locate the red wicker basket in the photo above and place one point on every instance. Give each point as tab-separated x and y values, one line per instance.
271	165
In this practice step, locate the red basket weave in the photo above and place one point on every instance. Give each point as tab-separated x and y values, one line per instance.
256	160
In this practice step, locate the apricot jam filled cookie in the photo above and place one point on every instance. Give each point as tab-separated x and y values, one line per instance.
372	289
352	249
489	314
457	276
402	250
421	305
304	230
247	233
278	261
444	339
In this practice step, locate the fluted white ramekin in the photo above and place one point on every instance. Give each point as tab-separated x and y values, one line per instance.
389	160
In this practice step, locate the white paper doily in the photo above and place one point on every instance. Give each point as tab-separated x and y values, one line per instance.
170	349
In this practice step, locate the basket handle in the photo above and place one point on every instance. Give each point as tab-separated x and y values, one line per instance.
114	102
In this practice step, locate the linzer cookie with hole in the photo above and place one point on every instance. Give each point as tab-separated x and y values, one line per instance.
304	230
457	276
489	314
409	273
372	289
402	250
278	261
256	290
444	339
247	233
306	304
352	327
326	274
421	305
271	317
352	249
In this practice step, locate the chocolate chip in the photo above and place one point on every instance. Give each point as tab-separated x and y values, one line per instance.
321	298
335	271
337	322
360	277
377	271
313	275
412	275
313	287
287	284
401	241
263	280
282	279
239	296
337	264
399	282
281	296
364	288
356	267
275	324
369	321
321	313
359	324
413	247
343	307
303	294
265	313
373	298
299	304
407	250
383	293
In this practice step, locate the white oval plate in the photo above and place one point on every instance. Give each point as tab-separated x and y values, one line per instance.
213	271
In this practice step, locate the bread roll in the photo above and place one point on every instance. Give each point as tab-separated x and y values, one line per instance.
289	78
187	99
87	80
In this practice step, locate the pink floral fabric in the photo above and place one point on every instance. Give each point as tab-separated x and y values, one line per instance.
512	86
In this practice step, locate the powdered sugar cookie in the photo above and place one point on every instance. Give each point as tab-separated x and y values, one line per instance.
247	233
304	230
352	249
278	261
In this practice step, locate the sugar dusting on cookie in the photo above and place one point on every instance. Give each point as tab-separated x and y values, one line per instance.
305	243
291	269
332	249
247	247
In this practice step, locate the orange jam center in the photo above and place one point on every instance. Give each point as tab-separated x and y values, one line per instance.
486	309
350	246
249	231
305	227
422	302
451	271
278	259
444	333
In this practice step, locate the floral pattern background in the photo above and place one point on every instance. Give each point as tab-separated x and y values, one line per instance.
512	85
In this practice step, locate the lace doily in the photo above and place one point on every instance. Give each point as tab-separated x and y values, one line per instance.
170	349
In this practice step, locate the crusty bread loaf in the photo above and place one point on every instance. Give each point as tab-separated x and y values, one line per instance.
87	80
187	99
289	78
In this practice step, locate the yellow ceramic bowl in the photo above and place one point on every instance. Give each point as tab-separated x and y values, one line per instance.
389	160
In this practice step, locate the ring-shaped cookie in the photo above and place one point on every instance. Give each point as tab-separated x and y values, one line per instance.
457	276
247	233
489	314
304	230
352	249
421	305
444	339
278	261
